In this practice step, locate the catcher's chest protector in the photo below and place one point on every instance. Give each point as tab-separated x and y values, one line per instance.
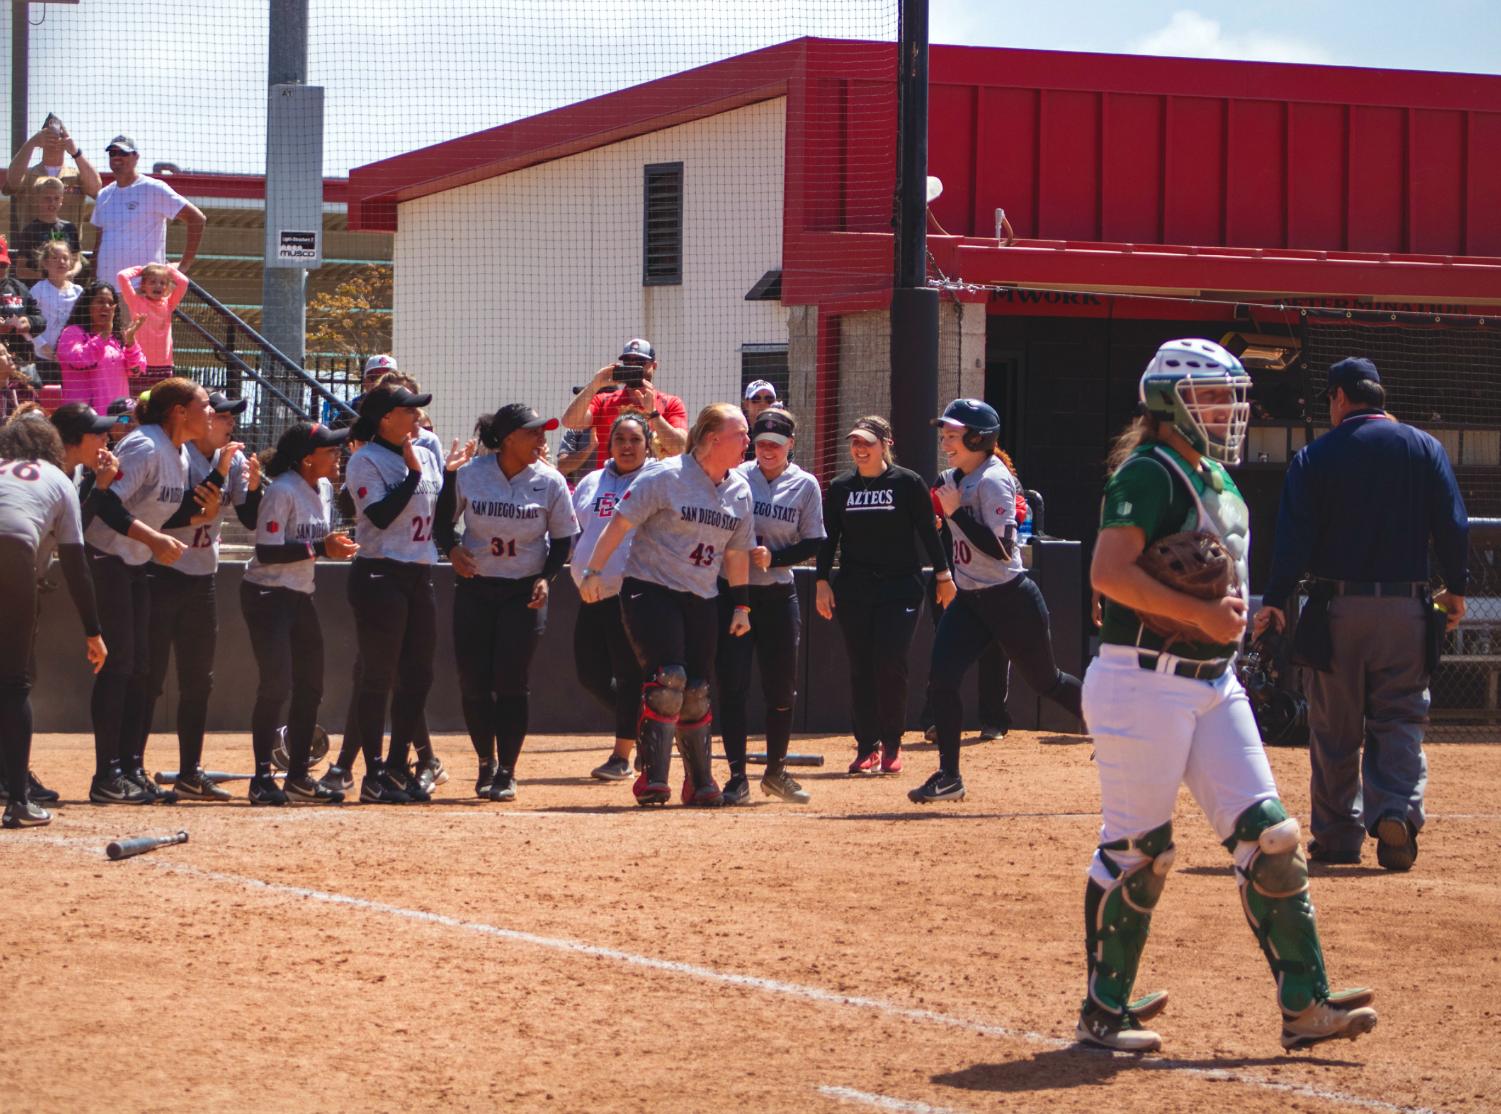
1219	511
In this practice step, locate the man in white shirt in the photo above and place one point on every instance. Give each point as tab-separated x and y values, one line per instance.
132	214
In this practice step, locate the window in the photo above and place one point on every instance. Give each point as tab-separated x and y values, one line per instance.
662	226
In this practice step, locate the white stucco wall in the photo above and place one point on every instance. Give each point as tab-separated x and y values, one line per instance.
516	288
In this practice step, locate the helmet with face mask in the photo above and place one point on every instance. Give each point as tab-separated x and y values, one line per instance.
1189	377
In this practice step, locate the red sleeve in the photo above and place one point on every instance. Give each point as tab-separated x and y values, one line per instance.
1022	510
672	409
937	506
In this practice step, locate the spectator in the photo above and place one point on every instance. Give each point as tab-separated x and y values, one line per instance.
55	295
95	351
132	214
759	395
627	385
575	451
123	411
56	147
375	367
20	317
162	288
16	390
47	203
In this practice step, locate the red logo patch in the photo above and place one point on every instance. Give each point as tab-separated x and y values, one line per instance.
272	527
362	492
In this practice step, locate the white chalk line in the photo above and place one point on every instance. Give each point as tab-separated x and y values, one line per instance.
883	1102
727	978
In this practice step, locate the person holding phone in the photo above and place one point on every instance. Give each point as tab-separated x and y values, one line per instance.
628	385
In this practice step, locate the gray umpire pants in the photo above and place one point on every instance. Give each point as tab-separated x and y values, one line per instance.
1376	697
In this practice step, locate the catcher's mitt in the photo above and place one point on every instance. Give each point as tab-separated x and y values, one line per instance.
1195	563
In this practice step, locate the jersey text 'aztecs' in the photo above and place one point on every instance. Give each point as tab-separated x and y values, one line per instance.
684	524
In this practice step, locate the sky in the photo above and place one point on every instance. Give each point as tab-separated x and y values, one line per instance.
185	78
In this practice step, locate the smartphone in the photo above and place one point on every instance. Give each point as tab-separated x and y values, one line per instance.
632	375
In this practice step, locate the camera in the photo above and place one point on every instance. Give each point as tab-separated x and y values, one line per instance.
629	375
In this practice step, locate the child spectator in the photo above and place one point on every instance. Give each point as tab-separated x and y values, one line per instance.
46	205
123	411
97	354
20	319
162	288
55	295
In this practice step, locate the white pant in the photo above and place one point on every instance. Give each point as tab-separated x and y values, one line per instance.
1155	731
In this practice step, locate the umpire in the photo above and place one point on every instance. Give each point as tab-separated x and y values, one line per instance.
1358	506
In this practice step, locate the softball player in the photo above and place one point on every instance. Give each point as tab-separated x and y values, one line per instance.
1164	712
997	603
518	527
694	516
150	493
602	652
788	508
38	509
184	610
879	519
292	531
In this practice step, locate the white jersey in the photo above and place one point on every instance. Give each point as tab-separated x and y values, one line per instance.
39	505
989	493
372	473
594	502
788	509
201	558
508	522
152	481
291	511
685	523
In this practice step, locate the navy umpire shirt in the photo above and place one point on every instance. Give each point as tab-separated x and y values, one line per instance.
1360	502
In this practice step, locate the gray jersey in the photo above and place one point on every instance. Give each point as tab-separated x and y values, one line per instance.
684	524
594	502
152	482
291	511
427	439
507	523
989	492
202	555
789	509
372	472
39	505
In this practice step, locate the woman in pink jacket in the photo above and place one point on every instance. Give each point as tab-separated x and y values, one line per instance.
97	354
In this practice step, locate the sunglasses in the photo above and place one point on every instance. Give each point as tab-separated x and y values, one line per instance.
763	398
116	153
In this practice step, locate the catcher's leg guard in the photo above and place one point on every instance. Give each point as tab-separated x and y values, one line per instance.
1126	879
1273	877
695	745
661	703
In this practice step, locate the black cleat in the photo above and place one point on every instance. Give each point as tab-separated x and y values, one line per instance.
614	768
142	781
112	789
484	780
378	790
784	787
400	779
306	789
39	792
737	790
939	787
198	786
431	774
265	791
503	788
336	779
25	814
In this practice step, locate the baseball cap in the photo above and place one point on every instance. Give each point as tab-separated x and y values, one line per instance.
969	413
380	401
517	415
122	143
868	431
775	426
1352	370
638	350
935	188
4	251
74	422
306	437
223	404
380	363
121	408
756	386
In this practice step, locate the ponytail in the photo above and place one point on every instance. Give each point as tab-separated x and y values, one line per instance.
1143	428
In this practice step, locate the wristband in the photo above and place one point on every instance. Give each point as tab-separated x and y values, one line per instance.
654	415
587	573
740	593
745	607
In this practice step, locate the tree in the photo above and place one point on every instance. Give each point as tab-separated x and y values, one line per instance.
354	318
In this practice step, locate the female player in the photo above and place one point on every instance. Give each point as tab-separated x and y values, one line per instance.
184	608
602	653
38	509
395	484
694	512
518	528
788	506
276	596
150	494
997	603
1166	712
879	519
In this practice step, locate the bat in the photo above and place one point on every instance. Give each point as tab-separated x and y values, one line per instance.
169	777
759	759
128	848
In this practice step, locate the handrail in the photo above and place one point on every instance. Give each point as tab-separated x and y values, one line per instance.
224	352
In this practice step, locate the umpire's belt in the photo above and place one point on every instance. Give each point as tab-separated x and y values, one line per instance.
1409	589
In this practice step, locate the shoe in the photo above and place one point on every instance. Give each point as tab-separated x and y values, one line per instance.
891	760
306	788
265	791
484	779
142	781
1318	853
26	814
930	733
1396	843
615	768
1117	1032
431	774
400	779
113	789
651	792
784	787
708	795
736	790
989	732
866	764
1148	1006
198	786
378	789
939	787
336	779
1324	1021
503	788
39	792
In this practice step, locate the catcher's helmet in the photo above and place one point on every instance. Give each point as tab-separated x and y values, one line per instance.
982	425
1189	377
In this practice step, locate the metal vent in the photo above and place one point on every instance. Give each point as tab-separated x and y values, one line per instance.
662	226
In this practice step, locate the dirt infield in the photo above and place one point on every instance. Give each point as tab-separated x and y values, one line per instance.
572	951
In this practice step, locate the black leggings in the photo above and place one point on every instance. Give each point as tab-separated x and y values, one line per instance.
878	617
1012	615
184	620
776	627
119	701
668	627
396	622
18	601
606	664
495	635
992	678
350	745
288	643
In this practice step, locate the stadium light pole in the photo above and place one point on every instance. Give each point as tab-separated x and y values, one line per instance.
914	306
20	50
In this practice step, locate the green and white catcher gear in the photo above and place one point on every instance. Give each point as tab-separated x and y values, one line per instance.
1118	913
1204	391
